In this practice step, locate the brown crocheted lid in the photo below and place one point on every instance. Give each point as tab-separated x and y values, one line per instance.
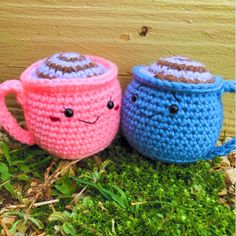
68	65
180	69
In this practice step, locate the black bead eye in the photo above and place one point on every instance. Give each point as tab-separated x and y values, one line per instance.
110	104
134	97
68	112
173	109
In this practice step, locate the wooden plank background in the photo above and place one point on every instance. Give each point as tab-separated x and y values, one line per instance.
128	32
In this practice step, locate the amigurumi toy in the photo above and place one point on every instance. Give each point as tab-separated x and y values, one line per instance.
172	111
71	105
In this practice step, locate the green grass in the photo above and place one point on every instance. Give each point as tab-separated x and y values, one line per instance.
125	195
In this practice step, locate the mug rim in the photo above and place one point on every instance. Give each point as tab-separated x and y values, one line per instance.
28	80
151	81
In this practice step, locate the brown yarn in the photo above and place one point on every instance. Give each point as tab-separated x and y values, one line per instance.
172	78
65	69
72	59
68	65
181	67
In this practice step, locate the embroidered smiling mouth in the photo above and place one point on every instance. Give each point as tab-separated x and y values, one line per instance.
57	119
89	122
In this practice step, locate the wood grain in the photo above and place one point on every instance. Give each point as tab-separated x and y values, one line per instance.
203	30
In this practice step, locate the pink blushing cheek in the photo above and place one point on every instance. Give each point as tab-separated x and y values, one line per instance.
54	119
117	107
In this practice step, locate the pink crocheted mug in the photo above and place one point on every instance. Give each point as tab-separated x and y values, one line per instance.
71	118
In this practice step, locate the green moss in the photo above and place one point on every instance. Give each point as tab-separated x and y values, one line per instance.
163	199
132	195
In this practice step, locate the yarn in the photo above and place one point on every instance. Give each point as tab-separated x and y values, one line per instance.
68	65
70	118
6	119
175	121
180	69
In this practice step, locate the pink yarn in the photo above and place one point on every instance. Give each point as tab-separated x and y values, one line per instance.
93	125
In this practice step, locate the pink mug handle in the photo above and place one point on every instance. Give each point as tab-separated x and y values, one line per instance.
7	121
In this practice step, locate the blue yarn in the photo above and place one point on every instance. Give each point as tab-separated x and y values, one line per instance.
224	149
185	137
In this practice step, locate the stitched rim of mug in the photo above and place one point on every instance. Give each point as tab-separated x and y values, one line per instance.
111	73
142	77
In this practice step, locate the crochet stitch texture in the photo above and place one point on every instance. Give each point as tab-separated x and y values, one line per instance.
68	65
175	121
71	118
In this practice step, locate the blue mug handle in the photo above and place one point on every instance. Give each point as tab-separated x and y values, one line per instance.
229	86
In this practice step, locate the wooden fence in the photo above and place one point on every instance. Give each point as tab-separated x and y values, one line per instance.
128	32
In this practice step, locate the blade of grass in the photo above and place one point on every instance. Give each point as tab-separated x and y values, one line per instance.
6	152
109	195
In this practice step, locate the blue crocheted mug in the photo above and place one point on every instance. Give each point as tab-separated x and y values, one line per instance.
172	111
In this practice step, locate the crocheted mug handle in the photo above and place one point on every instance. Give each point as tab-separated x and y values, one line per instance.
7	121
230	87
